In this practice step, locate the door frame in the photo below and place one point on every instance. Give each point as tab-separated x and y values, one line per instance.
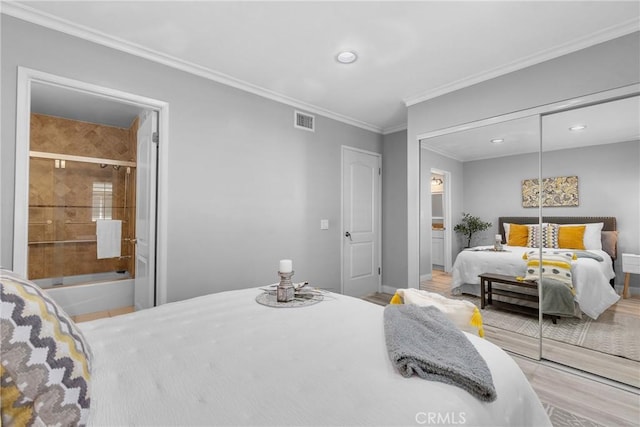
448	230
378	210
27	76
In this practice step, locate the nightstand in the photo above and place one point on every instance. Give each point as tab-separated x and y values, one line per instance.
630	265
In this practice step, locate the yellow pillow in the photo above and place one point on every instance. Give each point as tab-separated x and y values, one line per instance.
518	235
571	237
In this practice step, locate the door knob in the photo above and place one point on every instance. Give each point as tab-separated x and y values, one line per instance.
347	234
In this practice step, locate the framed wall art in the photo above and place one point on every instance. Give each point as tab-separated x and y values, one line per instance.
556	191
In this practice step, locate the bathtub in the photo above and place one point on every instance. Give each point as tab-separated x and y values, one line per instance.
91	293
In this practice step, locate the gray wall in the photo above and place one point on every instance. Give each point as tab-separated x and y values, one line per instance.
245	188
605	66
394	201
608	185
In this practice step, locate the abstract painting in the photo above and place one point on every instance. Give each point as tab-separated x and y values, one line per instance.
556	191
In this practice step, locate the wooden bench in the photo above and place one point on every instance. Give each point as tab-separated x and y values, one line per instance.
487	291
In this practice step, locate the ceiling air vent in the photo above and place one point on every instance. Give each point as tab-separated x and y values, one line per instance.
304	121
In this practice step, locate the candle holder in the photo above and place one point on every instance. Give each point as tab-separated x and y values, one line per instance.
497	243
285	290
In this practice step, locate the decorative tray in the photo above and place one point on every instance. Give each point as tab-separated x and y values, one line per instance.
302	297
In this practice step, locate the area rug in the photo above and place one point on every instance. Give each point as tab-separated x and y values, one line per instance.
612	333
561	418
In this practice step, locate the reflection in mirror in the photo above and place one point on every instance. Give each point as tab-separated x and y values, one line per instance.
483	168
599	145
598	165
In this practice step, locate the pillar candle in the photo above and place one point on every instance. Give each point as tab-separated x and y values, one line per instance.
286	266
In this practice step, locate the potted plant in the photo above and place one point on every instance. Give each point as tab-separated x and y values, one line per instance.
470	224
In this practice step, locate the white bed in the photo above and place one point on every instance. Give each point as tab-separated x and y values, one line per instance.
223	359
591	278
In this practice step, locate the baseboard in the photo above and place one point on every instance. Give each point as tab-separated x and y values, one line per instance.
632	290
426	277
389	289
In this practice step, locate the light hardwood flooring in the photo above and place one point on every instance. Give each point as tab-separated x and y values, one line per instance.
102	314
573	389
583	395
602	364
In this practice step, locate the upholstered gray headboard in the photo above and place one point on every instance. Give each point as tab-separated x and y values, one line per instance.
610	225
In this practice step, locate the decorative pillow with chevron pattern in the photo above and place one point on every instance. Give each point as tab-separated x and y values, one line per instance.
548	236
46	362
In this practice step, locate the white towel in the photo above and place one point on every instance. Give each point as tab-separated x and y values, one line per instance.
109	237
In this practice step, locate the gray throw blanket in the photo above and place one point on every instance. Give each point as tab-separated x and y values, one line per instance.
422	340
586	254
557	298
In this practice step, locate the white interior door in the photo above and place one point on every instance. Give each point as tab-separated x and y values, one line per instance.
361	222
144	290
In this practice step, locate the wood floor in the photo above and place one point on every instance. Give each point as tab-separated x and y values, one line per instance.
102	314
602	364
567	381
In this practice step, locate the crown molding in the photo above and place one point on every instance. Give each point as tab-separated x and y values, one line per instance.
34	16
601	36
26	13
394	129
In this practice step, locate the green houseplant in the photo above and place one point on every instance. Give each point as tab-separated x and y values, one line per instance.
470	224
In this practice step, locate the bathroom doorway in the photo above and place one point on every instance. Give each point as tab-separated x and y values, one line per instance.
440	221
78	223
437	221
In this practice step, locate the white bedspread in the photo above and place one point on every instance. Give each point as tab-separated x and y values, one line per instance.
223	359
591	278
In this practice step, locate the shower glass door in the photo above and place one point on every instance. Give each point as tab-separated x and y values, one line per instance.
66	200
80	174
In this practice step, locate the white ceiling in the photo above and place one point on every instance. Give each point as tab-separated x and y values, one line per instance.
606	123
75	105
408	51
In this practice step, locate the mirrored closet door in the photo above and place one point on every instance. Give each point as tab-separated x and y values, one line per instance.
482	166
589	169
558	181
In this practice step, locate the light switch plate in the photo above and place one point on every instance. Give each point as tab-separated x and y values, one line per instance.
324	224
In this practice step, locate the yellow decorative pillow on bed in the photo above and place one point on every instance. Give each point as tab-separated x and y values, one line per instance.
554	266
464	314
518	235
559	255
571	237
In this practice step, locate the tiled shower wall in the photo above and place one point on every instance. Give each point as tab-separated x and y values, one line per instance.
62	232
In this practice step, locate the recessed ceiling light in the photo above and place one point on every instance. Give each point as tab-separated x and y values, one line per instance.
346	57
577	127
497	141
